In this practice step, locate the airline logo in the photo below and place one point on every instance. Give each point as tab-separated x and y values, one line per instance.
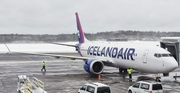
81	34
113	52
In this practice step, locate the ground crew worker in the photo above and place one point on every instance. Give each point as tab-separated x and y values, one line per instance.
43	66
130	73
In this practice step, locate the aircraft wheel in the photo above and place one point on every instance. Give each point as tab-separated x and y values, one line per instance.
125	70
120	70
165	74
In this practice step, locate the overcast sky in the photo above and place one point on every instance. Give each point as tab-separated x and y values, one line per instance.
58	16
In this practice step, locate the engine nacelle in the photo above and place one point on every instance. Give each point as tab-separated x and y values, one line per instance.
94	66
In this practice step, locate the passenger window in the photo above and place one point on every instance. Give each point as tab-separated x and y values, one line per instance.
136	85
83	88
90	89
145	86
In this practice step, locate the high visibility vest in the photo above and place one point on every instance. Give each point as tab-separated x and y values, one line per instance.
43	64
130	70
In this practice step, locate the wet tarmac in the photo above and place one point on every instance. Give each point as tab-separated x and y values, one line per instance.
67	76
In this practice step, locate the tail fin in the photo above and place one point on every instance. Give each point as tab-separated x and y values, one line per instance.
81	36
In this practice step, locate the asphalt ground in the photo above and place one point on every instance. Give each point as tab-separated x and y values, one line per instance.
67	76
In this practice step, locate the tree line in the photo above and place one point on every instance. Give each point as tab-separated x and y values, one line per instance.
130	35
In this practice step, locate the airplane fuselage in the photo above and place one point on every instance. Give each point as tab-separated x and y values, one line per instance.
142	58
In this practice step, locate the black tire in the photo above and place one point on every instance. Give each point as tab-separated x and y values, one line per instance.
129	91
165	74
120	70
125	71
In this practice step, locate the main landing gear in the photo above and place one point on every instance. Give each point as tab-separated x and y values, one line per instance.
122	71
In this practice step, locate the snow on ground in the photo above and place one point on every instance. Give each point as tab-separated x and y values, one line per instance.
44	47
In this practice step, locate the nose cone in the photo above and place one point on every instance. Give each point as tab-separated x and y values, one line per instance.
171	65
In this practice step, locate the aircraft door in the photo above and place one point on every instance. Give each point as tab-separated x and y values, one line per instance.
145	54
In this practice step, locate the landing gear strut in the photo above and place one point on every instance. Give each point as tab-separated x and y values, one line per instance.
122	70
165	74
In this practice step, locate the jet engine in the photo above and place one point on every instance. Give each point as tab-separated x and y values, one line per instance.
94	66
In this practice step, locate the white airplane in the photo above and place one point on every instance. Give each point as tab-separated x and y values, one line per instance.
144	58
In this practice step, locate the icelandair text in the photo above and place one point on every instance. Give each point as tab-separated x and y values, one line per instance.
113	52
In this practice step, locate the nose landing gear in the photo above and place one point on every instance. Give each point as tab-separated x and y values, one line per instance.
165	74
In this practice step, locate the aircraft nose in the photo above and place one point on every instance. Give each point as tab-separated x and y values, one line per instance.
172	65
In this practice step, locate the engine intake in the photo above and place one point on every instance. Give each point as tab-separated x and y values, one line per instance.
94	66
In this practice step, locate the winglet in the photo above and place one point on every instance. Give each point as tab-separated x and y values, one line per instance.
81	36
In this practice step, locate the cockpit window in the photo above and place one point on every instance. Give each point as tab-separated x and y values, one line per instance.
157	55
170	55
165	55
162	55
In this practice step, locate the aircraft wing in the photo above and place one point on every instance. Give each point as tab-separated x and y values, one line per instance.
51	55
106	61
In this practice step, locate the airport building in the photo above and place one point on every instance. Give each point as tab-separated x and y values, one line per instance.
172	44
